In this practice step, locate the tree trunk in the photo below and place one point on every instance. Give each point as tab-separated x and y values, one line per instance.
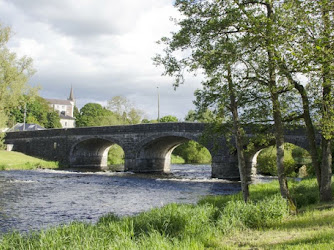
326	171
279	135
278	123
309	130
327	110
238	138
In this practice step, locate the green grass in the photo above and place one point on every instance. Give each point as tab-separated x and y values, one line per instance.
216	222
18	161
176	159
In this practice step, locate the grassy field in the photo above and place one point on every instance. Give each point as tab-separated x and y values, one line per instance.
15	160
216	222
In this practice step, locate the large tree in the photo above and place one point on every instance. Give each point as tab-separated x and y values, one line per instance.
207	30
14	76
125	109
37	111
269	42
93	114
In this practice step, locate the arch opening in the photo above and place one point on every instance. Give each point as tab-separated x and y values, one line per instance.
157	155
97	154
297	161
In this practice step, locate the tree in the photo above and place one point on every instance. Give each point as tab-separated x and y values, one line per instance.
14	75
204	116
307	49
212	48
125	109
193	152
53	120
168	118
38	112
93	114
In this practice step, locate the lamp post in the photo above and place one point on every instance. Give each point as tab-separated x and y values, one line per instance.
158	104
24	116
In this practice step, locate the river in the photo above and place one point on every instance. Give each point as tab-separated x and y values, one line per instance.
38	199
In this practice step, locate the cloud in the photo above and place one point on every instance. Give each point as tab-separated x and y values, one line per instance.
102	47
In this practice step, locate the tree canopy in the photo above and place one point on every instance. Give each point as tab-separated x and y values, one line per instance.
252	54
14	75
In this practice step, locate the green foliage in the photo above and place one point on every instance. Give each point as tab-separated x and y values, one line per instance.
193	152
122	107
145	121
93	114
168	118
239	215
294	157
14	75
2	136
38	112
115	155
214	223
76	112
176	159
53	120
305	192
203	116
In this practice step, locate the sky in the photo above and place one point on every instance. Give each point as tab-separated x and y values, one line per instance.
103	48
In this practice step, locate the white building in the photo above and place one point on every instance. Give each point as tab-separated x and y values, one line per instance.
65	109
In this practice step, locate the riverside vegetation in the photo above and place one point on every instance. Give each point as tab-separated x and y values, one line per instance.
216	222
19	161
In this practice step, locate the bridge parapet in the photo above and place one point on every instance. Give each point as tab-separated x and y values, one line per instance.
147	147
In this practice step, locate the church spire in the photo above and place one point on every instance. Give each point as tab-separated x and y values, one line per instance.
71	98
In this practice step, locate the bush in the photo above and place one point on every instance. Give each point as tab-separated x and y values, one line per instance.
305	192
294	157
193	152
175	159
175	220
115	155
239	215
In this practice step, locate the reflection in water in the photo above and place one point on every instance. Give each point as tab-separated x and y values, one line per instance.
31	200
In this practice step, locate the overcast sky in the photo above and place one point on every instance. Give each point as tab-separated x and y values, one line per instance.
103	48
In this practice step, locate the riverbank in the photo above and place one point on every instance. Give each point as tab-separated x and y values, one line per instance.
216	222
10	160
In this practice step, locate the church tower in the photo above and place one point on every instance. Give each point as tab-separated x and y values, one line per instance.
72	100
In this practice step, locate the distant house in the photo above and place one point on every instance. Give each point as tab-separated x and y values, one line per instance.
25	127
65	109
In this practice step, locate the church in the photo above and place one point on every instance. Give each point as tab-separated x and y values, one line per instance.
65	108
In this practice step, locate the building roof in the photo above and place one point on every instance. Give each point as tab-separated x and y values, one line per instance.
26	127
66	117
57	101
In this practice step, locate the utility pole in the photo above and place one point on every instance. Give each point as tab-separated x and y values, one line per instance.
24	117
158	104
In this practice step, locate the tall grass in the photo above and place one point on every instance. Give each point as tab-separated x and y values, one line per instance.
174	226
216	222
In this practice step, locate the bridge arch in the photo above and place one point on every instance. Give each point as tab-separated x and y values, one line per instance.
91	153
252	157
153	154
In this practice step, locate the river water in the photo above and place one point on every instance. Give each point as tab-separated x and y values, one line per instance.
38	199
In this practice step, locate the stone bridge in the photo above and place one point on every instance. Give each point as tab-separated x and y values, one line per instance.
147	147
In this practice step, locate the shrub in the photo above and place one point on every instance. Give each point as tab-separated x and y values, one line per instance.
176	159
294	157
193	152
175	220
239	215
305	192
115	155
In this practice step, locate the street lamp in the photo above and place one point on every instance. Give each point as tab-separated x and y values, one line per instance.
24	116
158	104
